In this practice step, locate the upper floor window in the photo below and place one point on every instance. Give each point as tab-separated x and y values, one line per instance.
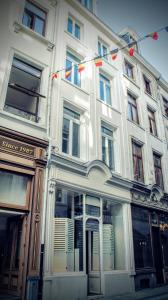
102	50
107	146
132	109
137	161
152	122
165	105
105	89
23	90
73	27
158	169
87	3
71	132
71	64
34	18
147	84
129	69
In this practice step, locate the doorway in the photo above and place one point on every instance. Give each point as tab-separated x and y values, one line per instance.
93	257
12	252
157	253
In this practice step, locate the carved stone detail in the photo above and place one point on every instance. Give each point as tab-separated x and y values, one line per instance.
52	186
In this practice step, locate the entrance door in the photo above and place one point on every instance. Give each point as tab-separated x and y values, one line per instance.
93	256
157	252
12	252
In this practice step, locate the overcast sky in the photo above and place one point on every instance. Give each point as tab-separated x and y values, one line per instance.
144	16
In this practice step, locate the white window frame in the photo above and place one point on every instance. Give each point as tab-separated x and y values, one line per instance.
106	80
108	138
70	140
74	62
74	22
126	62
102	44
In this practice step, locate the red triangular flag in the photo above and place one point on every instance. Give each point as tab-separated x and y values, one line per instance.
114	56
131	51
155	36
54	75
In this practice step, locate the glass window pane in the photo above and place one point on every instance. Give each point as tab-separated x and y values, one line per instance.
75	141
77	31
26	20
102	90
36	10
111	154
65	136
71	113
68	67
108	94
70	25
103	149
13	188
99	48
76	76
39	26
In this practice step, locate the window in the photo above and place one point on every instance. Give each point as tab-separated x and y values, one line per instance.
71	64
68	232
73	27
87	3
129	39
23	90
137	162
34	18
107	147
132	109
147	84
165	105
71	133
158	169
152	122
102	50
129	70
142	238
113	236
105	90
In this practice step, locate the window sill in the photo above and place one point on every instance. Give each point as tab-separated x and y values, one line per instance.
76	39
108	105
131	80
136	124
72	158
22	120
18	27
155	136
150	96
75	86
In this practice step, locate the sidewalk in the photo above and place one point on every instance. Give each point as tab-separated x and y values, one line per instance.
151	294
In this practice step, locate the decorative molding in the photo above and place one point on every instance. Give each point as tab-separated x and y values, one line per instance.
52	186
53	2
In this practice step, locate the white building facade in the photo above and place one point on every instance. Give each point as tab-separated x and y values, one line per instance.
103	206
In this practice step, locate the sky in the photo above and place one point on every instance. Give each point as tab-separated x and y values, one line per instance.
144	16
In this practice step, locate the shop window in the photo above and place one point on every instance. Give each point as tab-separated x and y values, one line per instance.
73	27
152	122
13	188
107	146
132	109
105	89
128	69
68	232
158	169
23	90
137	161
34	18
142	238
147	85
102	50
71	132
72	69
113	236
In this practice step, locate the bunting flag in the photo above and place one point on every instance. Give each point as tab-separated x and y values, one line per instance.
81	67
131	51
68	73
98	62
114	54
54	75
153	35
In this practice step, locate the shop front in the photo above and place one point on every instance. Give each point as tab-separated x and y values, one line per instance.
22	164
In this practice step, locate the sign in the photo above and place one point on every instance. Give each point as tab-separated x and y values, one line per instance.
13	146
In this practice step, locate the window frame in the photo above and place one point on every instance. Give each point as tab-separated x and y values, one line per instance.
106	83
147	85
133	107
87	3
73	68
152	122
165	106
101	46
108	138
71	120
128	67
136	158
74	23
158	169
33	17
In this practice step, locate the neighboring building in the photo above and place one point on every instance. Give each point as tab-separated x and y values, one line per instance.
84	153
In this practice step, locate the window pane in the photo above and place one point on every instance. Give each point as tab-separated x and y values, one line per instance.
76	76
75	142
103	149
65	136
68	67
108	94
104	52
111	154
27	20
37	11
99	48
39	26
130	112
71	113
102	90
70	25
77	31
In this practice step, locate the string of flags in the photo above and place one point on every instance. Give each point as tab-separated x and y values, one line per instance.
98	60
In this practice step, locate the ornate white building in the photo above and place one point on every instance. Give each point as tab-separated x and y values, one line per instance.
105	197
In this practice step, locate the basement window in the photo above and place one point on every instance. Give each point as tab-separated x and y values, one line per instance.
23	90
